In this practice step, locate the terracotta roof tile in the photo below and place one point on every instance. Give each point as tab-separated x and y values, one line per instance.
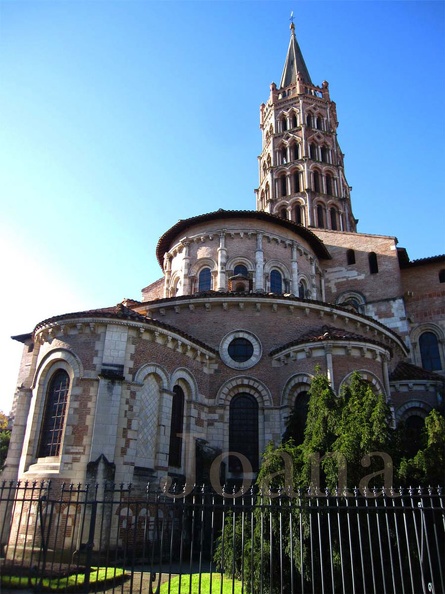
408	371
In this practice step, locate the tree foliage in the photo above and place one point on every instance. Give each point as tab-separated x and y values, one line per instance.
5	436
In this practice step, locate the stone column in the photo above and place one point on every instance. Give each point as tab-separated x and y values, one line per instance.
259	263
294	270
221	280
185	269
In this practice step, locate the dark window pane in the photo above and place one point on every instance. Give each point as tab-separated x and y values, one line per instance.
240	349
276	282
429	351
54	415
243	431
175	448
205	280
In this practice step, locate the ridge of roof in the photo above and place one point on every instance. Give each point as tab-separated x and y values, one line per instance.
322	334
422	261
122	312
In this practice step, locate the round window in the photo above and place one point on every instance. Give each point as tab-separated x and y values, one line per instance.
240	350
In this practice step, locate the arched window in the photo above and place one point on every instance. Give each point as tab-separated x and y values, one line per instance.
329	185
176	428
320	216
284	124
54	415
373	264
319	123
350	257
298	214
309	120
283	185
324	154
442	276
301	290
283	155
243	431
313	152
317	183
334	219
297	421
296	151
240	269
276	282
429	351
294	121
283	213
267	195
205	280
414	426
296	180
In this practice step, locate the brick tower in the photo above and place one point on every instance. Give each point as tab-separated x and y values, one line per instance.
301	170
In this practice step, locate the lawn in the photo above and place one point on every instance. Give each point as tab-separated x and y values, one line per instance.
98	575
205	586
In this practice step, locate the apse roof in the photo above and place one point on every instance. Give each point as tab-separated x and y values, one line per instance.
325	333
407	371
166	240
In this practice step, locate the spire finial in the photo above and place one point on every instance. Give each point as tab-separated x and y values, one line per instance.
292	26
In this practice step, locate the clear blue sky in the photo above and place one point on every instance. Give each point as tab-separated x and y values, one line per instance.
120	117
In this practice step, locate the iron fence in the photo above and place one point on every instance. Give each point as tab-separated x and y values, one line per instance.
282	542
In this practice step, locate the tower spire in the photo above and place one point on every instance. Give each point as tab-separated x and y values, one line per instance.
294	61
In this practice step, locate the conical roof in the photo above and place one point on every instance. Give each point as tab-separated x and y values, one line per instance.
294	63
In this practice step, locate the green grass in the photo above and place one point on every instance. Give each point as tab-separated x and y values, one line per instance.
206	588
66	583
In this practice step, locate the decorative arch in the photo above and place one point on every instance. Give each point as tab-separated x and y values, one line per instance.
152	369
293	385
235	260
203	263
247	385
271	264
413	407
63	357
352	299
416	342
368	377
186	380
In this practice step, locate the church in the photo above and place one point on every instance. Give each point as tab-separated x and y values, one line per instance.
218	352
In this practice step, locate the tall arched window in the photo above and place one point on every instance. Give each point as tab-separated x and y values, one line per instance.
317	182
243	431
284	124
176	428
329	185
205	280
296	151
442	276
309	120
297	421
276	282
324	154
240	269
313	152
284	155
283	213
294	121
319	123
320	216
429	351
298	214
350	257
373	264
301	290
283	185
334	219
54	415
296	180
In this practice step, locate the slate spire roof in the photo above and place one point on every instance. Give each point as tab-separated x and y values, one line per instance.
294	63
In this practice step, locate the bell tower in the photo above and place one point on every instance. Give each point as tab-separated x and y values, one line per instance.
301	172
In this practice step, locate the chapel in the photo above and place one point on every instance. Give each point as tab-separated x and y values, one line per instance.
217	353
